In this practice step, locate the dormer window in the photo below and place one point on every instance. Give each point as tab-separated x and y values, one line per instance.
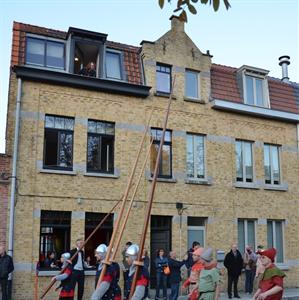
113	64
45	53
255	86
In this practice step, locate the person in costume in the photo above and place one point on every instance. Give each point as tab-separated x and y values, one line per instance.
209	277
66	285
109	288
142	282
271	284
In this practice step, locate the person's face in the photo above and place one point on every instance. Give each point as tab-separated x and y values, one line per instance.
173	255
97	256
196	247
161	253
92	66
52	255
129	260
61	259
195	257
265	260
80	244
2	250
234	247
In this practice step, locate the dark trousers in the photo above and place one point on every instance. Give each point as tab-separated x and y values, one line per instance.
3	282
249	278
161	283
232	280
174	291
78	277
126	275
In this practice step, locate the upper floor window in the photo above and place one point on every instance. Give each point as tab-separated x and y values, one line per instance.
272	164
165	163
191	84
100	147
275	238
113	65
246	234
45	53
195	156
255	91
58	142
163	77
244	161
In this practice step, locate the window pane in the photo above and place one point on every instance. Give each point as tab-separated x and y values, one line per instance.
101	127
239	161
65	152
279	241
248	161
51	148
107	154
59	123
270	234
196	235
154	153
163	80
190	156
55	55
110	128
69	124
49	122
35	53
113	65
267	166
249	90
259	92
93	153
191	84
92	126
251	233
199	156
275	164
241	236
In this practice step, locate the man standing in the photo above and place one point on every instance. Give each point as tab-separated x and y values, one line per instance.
6	267
175	275
250	259
233	262
78	271
125	267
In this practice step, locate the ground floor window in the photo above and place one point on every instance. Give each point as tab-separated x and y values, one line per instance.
246	234
55	228
196	231
275	238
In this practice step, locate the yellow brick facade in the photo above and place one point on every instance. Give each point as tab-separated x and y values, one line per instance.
220	202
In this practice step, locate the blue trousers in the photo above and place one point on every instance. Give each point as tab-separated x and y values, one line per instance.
249	278
161	284
174	291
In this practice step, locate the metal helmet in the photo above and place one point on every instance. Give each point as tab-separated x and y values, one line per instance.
101	249
66	255
132	250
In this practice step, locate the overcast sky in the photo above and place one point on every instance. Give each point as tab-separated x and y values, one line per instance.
252	32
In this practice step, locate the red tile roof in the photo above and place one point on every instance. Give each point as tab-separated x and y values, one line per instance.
224	86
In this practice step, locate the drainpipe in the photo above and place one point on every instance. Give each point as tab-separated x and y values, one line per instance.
14	171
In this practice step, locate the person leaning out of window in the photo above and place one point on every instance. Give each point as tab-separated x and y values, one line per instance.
89	70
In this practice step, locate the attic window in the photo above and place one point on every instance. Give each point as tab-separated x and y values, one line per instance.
113	64
255	86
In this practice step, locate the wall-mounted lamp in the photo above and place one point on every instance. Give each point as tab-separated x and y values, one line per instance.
76	58
180	208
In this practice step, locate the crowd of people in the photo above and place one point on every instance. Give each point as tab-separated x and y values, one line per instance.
203	275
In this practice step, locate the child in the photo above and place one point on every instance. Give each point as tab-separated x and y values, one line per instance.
67	290
271	284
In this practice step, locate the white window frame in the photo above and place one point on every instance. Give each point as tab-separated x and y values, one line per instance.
198	228
198	84
246	231
204	154
243	162
271	163
274	237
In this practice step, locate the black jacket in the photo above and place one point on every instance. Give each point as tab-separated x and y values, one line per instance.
234	264
175	270
75	260
6	266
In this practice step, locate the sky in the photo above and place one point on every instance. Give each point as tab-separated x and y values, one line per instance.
251	32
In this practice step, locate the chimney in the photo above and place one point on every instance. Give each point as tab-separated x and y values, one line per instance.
176	24
284	61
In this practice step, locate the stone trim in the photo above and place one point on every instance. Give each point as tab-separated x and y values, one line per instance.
102	175
199	181
246	185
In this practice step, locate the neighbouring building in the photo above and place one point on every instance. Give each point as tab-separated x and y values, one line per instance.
229	170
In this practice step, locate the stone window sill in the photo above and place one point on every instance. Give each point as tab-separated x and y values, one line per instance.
283	266
102	175
199	181
195	100
246	185
276	187
61	172
164	95
167	180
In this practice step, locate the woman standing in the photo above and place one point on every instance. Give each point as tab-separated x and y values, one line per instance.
161	262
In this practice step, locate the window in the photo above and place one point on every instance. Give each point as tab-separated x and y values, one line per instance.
55	229
45	53
246	234
163	74
191	84
275	238
272	164
165	163
196	231
101	236
113	65
195	156
244	161
255	91
100	147
58	143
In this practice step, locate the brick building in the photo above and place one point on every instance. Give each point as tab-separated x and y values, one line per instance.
229	164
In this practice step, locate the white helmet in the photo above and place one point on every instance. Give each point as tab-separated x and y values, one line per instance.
132	250
101	249
66	255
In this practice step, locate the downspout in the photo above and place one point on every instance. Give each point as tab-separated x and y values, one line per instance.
14	171
298	138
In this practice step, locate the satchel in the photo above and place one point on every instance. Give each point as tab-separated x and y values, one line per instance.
166	270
